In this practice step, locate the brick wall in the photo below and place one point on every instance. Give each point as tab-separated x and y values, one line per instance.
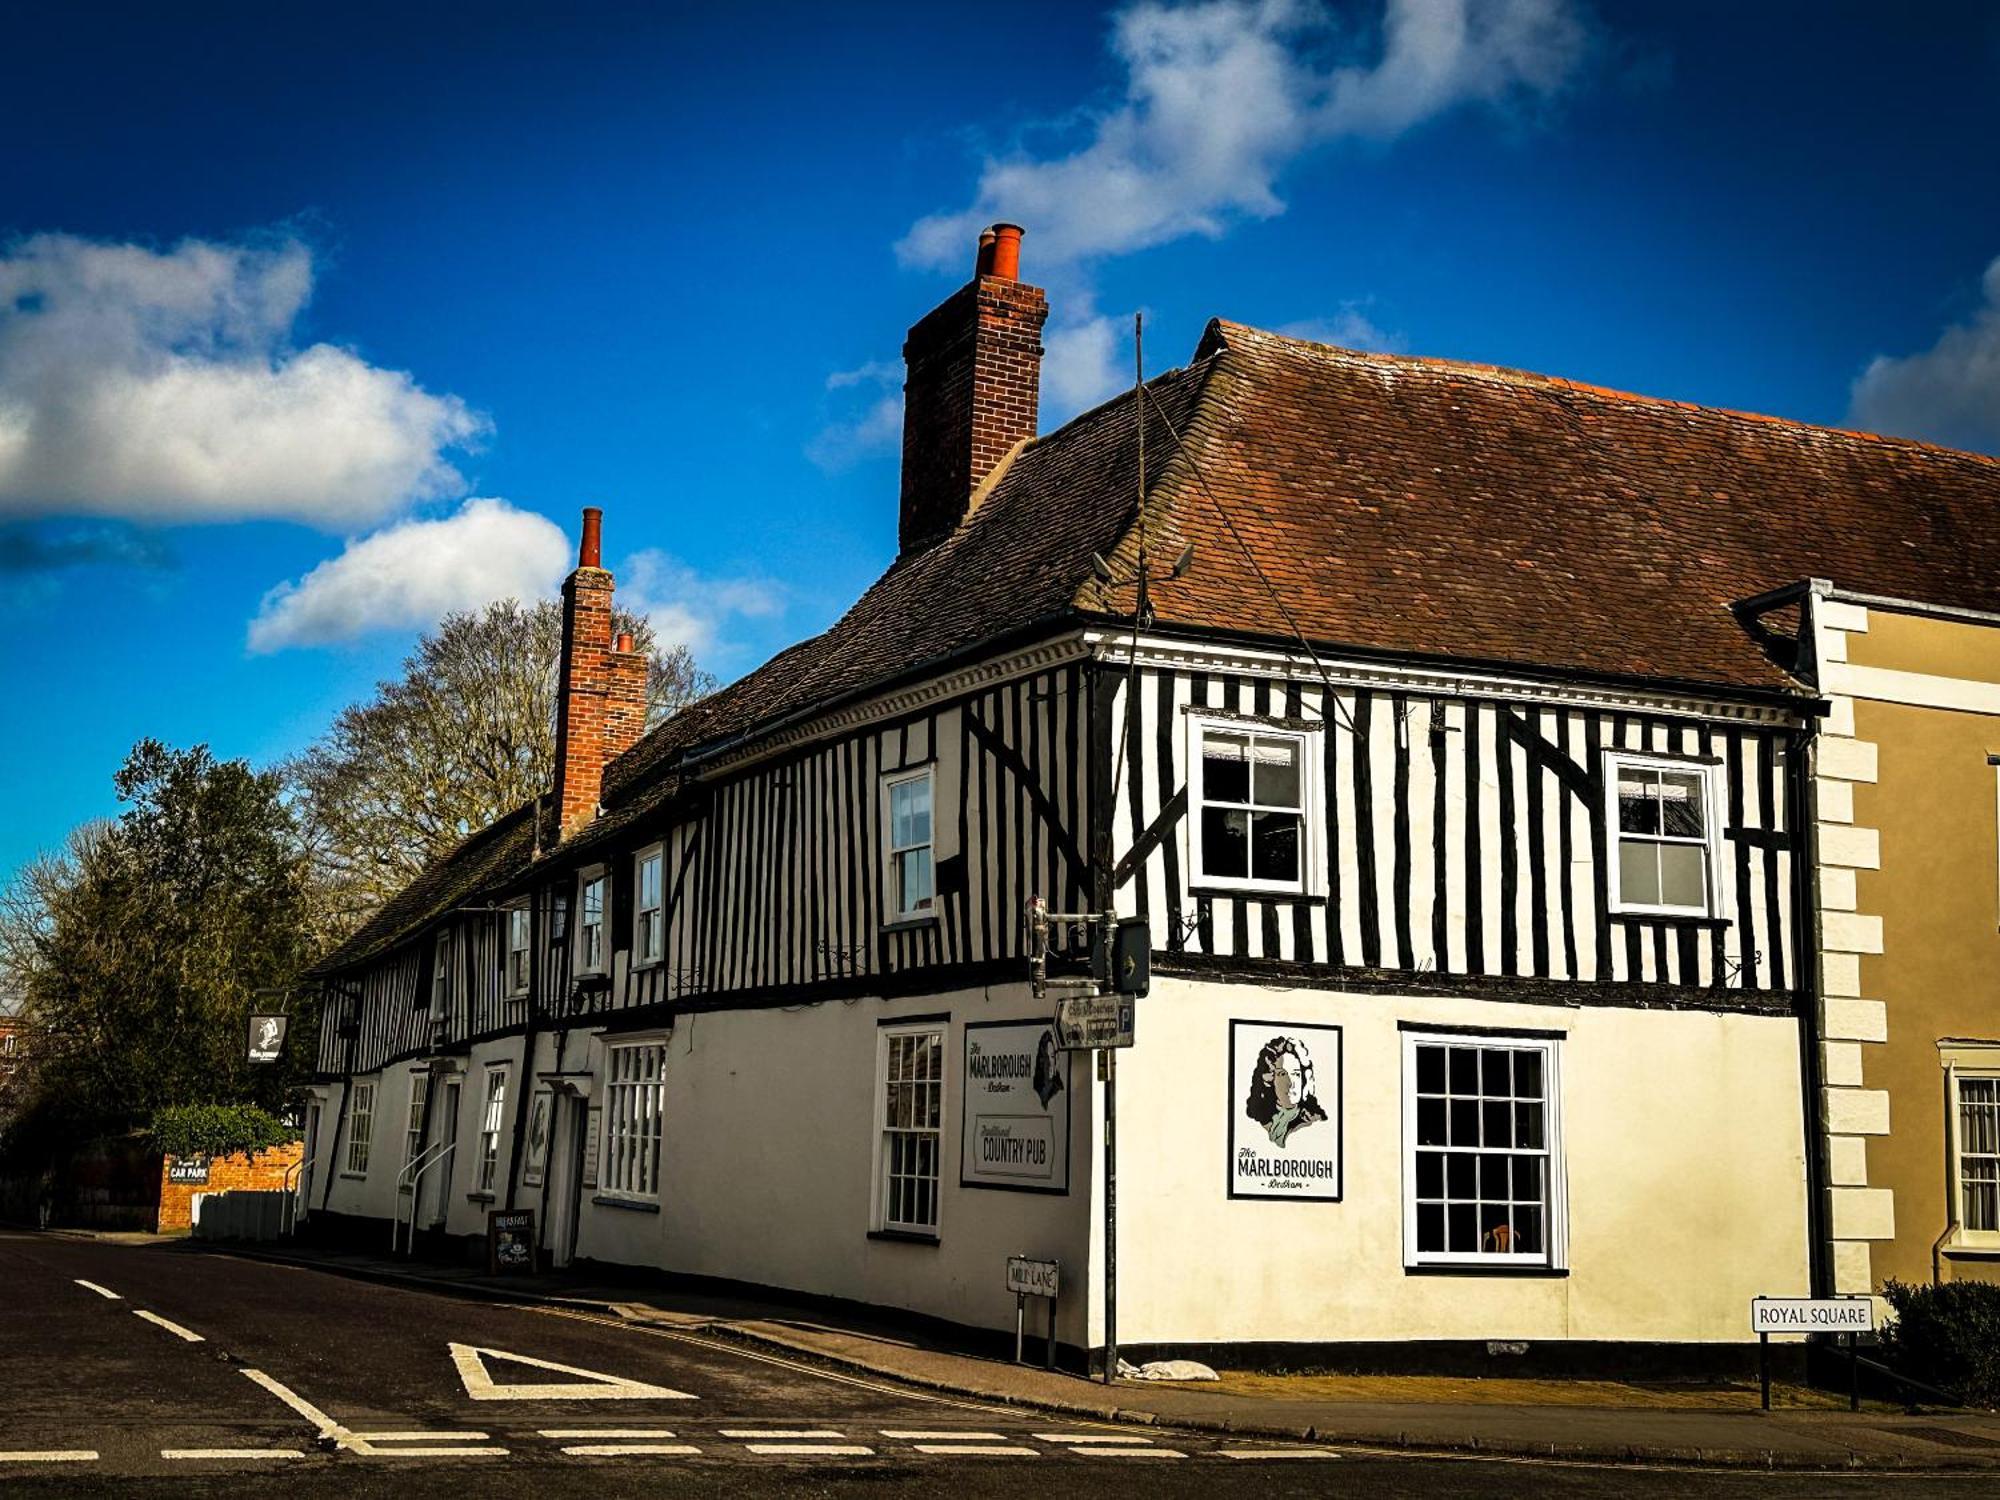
265	1171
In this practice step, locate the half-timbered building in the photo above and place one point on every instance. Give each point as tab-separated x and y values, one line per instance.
1468	812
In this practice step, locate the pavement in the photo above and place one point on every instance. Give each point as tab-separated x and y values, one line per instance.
133	1365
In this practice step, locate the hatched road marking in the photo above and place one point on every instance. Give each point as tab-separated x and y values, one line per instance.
102	1291
174	1328
590	1385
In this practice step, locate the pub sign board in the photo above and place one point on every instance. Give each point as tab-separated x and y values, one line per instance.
1284	1106
510	1242
191	1171
1014	1109
267	1038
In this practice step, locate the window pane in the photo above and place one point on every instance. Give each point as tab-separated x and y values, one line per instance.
1464	1122
1493	1080
1430	1226
1430	1174
1430	1122
1462	1226
1684	875
1528	1126
649	881
1498	1129
1276	773
1225	767
1528	1238
1225	843
1527	1174
1461	1175
1638	802
1275	855
1681	804
1430	1070
913	880
1465	1070
1528	1074
1639	873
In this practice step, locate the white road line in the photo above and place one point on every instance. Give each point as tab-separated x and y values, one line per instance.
1278	1452
374	1452
419	1437
631	1450
205	1453
978	1450
51	1456
941	1437
780	1432
328	1428
102	1291
1090	1437
1128	1453
813	1450
605	1432
174	1328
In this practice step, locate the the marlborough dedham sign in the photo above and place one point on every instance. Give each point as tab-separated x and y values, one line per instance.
1284	1111
1015	1120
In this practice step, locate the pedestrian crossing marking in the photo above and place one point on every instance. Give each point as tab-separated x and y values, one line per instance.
590	1385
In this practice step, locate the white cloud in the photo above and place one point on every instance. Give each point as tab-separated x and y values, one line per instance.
1221	96
1085	361
684	606
864	431
163	386
1351	328
411	574
1950	393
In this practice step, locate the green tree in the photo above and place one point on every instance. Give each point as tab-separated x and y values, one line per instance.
464	736
141	951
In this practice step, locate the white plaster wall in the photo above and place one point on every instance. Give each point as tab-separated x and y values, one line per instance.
768	1154
1683	1143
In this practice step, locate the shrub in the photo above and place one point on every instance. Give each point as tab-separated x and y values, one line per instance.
217	1129
1947	1336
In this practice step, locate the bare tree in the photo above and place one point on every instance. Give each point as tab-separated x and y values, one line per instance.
465	735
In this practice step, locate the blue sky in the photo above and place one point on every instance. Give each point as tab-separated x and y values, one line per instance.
391	292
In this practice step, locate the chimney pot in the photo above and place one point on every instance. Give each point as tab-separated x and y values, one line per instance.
982	262
591	553
624	640
1006	256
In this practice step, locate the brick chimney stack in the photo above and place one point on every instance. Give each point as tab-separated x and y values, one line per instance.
973	389
601	684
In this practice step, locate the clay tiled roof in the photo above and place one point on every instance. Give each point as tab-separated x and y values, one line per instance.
1408	506
1426	507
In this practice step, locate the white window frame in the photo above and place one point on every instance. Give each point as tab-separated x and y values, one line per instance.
633	1118
1966	1063
519	914
596	875
1710	776
649	942
413	1143
894	885
1554	1254
880	1198
492	1124
441	974
360	1130
1311	808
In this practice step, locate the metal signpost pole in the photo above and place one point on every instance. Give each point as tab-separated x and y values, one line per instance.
1110	1057
1764	1367
1020	1323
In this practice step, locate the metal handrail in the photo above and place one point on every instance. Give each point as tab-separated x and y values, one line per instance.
293	1188
414	1170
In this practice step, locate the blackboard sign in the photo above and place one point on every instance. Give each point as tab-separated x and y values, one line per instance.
192	1170
510	1242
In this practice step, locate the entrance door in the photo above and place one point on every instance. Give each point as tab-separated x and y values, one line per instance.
565	1172
312	1153
441	1174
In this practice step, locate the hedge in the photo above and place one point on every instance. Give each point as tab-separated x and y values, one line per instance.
1948	1336
217	1129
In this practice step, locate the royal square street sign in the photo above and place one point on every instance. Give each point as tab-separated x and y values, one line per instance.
1812	1315
1028	1277
1084	1022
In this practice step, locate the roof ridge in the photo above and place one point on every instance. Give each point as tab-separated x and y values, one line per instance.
1510	375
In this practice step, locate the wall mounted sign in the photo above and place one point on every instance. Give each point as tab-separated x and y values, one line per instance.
1284	1111
191	1170
267	1038
1014	1108
1086	1022
538	1138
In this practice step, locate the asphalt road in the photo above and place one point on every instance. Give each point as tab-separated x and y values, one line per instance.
130	1370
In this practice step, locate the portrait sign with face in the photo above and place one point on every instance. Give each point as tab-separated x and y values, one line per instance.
1284	1111
1015	1121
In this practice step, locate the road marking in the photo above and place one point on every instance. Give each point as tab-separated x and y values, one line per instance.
328	1428
590	1386
359	1445
204	1453
102	1291
977	1450
780	1432
812	1450
1127	1453
631	1450
419	1437
941	1437
51	1456
1279	1453
605	1432
1089	1437
331	1431
174	1328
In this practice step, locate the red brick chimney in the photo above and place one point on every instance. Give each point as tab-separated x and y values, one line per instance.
601	685
974	387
